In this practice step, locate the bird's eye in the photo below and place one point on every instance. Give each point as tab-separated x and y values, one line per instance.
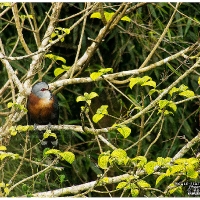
43	89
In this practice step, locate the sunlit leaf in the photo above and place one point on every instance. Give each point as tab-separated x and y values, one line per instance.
187	93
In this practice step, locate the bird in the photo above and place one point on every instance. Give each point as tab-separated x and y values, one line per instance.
43	109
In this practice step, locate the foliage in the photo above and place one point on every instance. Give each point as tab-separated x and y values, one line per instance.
126	76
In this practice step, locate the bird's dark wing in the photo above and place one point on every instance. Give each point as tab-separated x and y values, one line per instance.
55	112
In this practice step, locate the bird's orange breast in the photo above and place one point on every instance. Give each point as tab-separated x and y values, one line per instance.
40	109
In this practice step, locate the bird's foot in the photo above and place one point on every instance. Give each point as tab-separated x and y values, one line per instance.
35	126
49	126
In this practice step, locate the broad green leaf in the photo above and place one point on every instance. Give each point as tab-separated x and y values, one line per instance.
124	130
92	95
6	190
183	88
187	93
160	161
175	189
66	30
199	80
2	184
191	173
97	117
153	91
53	35
172	105
10	104
134	81
163	103
96	15
108	15
103	110
67	156
149	167
160	178
80	98
58	71
49	134
181	161
145	79
121	185
120	156
173	90
95	75
125	18
55	58
106	70
193	161
143	184
53	151
103	161
3	148
102	71
150	83
13	131
174	169
142	161
134	192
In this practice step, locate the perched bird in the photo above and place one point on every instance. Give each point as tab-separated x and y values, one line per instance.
43	109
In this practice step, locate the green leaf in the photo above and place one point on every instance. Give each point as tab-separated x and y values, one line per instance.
3	148
103	161
48	133
67	156
95	75
103	110
134	81
97	117
173	70
183	88
53	151
66	30
160	161
102	71
125	18
92	95
175	189
96	15
199	80
163	103
142	161
6	190
173	90
187	93
120	155
13	131
172	105
62	178
193	161
121	185
149	83
160	178
55	58
143	184
80	98
58	71
153	91
124	130
134	192
149	167
174	169
10	104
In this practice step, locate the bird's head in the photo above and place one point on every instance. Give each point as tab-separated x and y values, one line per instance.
41	90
